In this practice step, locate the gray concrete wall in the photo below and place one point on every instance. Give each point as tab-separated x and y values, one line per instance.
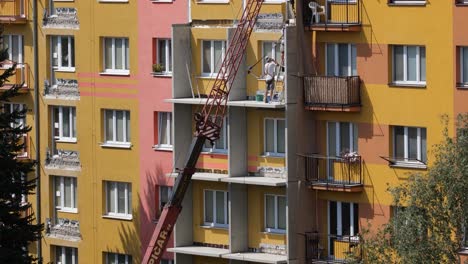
239	87
237	140
183	259
181	61
238	222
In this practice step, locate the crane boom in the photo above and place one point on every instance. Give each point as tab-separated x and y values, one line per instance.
208	126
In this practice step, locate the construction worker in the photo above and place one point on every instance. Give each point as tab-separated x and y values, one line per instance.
269	74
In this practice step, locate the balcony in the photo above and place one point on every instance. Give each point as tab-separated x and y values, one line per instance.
21	76
63	160
24	154
63	228
62	89
13	11
63	18
326	248
333	173
333	15
331	93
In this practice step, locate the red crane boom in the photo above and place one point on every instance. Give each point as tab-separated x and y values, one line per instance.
208	126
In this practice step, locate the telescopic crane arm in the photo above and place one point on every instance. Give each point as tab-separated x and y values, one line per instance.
208	126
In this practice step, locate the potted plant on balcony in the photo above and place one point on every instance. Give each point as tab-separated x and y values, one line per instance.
158	68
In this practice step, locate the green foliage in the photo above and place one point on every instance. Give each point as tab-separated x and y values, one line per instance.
17	228
429	228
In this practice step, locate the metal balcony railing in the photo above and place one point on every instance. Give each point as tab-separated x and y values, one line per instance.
62	17
328	248
12	10
332	14
21	75
63	88
332	171
332	92
63	159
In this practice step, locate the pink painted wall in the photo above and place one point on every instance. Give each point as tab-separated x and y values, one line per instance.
155	20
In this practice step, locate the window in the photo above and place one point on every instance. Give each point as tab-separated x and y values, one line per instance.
164	56
272	50
340	60
409	144
9	108
275	213
219	145
117	127
274	136
116	55
164	130
64	122
165	193
114	258
409	64
65	193
216	209
408	2
119	199
213	53
343	218
63	53
14	44
464	65
342	138
167	261
66	255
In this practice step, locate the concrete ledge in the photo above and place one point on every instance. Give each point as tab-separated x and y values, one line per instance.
255	180
202	176
194	101
200	251
255	104
257	257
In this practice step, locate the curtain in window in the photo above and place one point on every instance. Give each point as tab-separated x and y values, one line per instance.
207	56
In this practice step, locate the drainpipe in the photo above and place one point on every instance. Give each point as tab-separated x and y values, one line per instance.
37	126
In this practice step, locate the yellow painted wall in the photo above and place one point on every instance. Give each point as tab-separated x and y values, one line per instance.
208	260
256	212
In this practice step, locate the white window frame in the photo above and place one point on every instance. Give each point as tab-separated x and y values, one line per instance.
11	107
275	153
272	51
405	65
72	116
115	256
128	199
462	50
407	2
352	67
168	121
276	229
125	56
167	49
339	227
114	128
71	52
225	206
215	148
352	127
9	39
212	57
406	146
62	250
61	197
169	192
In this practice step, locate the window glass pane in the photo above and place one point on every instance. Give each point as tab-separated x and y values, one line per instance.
54	52
108	53
423	145
331	59
207	56
127	55
332	139
220	143
129	198
422	63
66	121
281	124
162	52
68	255
58	254
220	206
68	191
465	64
270	211
57	191
218	51
169	46
73	124
345	143
412	143
398	60
72	52
269	135
411	59
111	258
127	126
267	47
345	219
209	206
353	60
356	218
355	137
56	122
281	212
74	193
119	60
163	128
333	216
109	125
65	55
399	142
121	197
15	48
343	62
121	259
111	192
120	126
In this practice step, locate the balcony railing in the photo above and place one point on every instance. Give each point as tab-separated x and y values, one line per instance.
331	93
63	17
21	76
327	248
13	11
333	173
63	159
333	15
62	89
63	228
